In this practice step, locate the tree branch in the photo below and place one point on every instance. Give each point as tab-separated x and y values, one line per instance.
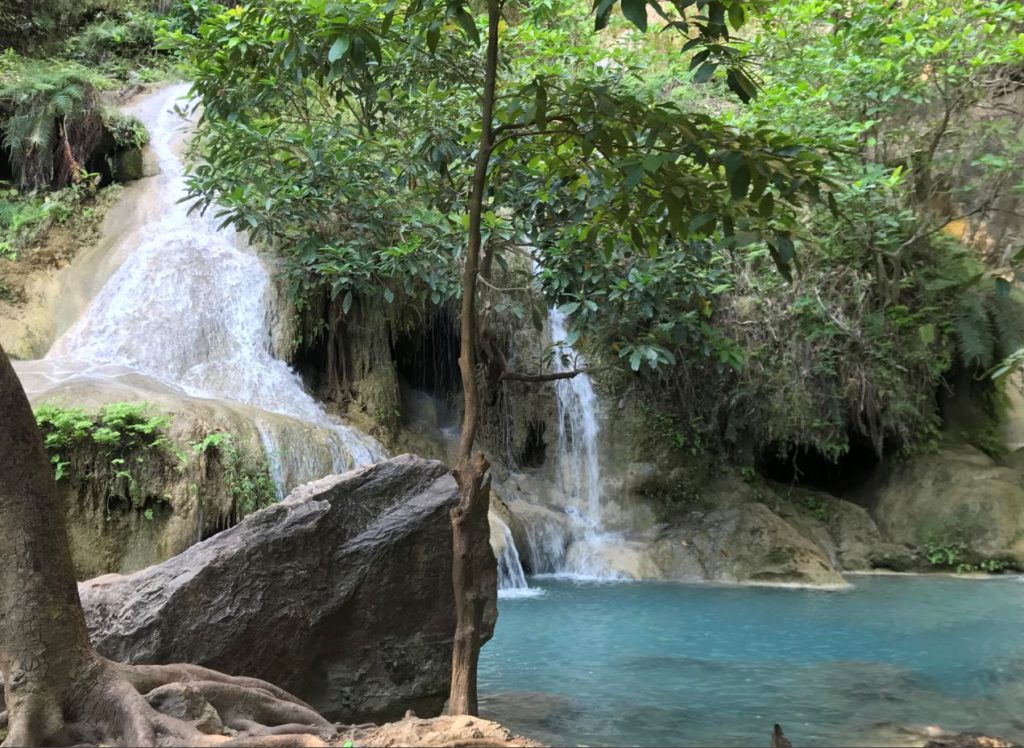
515	376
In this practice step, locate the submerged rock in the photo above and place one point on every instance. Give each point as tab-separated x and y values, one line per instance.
971	740
340	594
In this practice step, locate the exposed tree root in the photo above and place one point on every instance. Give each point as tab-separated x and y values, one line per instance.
162	705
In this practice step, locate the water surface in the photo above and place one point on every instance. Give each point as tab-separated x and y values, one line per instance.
674	664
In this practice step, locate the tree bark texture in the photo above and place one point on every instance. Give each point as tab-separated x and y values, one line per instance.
471	553
44	644
57	690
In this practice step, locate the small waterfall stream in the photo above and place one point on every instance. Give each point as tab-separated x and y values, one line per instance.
511	577
578	469
189	307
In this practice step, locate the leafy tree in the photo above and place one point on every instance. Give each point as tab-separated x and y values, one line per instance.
370	124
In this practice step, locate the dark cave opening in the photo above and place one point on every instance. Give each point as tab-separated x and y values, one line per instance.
534	447
810	468
427	357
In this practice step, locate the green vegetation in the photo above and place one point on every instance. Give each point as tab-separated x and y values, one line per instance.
132	442
889	304
58	138
248	480
123	434
950	544
348	141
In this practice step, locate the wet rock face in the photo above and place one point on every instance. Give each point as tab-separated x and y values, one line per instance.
341	594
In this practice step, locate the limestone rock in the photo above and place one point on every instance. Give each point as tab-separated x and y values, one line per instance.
440	731
540	534
745	543
845	531
341	594
958	492
756	545
134	163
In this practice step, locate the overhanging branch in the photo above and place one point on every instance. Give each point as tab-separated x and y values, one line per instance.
515	376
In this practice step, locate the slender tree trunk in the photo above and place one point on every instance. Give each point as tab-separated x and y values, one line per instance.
44	643
471	553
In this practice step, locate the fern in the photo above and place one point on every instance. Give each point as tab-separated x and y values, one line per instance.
973	330
1007	315
988	326
34	96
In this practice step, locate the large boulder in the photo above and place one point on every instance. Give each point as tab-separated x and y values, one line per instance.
958	495
747	542
844	531
341	594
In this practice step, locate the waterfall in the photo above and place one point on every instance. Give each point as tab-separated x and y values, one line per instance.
188	307
511	577
578	552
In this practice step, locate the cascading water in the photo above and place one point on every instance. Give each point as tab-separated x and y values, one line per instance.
511	577
578	470
188	307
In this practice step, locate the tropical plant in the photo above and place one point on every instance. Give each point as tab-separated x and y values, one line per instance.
320	120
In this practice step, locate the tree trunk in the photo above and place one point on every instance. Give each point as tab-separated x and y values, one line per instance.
57	690
471	554
44	643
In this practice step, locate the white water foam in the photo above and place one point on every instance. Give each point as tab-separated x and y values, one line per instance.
189	307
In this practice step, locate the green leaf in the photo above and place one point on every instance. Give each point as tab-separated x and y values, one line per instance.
346	303
741	85
739	183
389	295
702	224
635	12
1003	288
926	333
468	24
338	49
785	248
635	360
602	12
704	72
736	15
569	308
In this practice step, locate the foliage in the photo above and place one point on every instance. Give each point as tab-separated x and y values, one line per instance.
127	130
347	138
127	435
49	113
249	482
123	433
888	303
29	24
949	545
25	219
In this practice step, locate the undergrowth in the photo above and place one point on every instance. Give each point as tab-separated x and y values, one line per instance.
125	435
248	480
128	438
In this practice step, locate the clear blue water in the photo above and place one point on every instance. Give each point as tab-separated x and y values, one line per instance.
674	664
